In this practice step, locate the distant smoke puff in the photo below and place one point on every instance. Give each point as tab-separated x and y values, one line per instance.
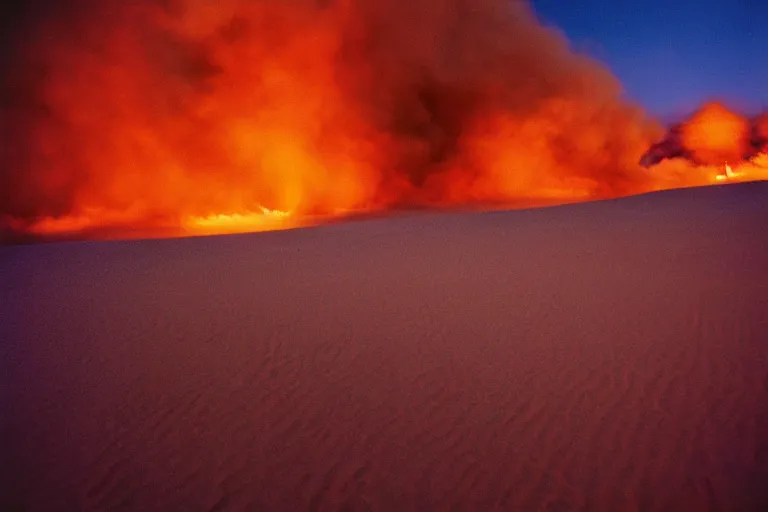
715	135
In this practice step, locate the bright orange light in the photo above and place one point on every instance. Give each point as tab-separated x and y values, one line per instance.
199	117
715	134
264	220
728	174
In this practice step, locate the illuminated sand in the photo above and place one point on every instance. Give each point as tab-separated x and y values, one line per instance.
604	356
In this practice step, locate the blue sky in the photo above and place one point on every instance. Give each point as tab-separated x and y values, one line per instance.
671	55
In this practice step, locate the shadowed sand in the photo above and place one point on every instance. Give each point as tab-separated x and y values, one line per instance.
603	356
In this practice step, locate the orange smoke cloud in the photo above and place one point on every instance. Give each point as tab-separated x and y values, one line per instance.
714	145
715	135
186	114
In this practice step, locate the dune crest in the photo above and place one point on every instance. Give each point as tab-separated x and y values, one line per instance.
601	356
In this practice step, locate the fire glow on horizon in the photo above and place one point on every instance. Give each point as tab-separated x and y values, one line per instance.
205	117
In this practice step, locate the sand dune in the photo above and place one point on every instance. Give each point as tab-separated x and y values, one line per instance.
604	356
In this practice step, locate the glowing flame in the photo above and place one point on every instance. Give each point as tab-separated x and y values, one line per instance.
729	174
263	220
752	170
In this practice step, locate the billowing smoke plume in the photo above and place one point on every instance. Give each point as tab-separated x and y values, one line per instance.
149	112
715	135
712	136
713	145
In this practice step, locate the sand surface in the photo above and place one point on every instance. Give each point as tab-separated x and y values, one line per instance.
604	356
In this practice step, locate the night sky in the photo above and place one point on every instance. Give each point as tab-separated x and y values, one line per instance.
671	55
